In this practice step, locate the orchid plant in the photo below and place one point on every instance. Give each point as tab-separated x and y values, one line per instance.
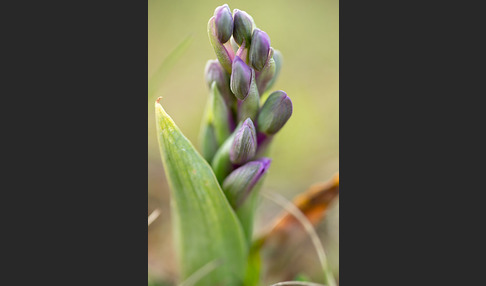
215	192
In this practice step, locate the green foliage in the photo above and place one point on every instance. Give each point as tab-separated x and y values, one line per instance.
206	227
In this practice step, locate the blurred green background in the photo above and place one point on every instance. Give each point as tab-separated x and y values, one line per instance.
304	152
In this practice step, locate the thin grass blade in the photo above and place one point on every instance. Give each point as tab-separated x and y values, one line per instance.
309	228
160	74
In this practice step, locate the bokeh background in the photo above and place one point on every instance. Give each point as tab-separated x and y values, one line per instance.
304	152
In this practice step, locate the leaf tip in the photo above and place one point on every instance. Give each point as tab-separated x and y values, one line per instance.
159	110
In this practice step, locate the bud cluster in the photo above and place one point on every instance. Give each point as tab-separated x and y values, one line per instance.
246	67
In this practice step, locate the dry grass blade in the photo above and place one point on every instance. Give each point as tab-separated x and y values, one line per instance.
301	218
153	216
313	204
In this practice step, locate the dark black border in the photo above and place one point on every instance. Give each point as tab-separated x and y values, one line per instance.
76	185
409	214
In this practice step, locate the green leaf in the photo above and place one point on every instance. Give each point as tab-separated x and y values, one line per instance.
220	115
206	227
207	140
215	127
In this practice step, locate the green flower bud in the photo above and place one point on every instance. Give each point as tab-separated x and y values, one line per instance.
248	108
244	145
215	72
224	52
223	21
264	78
241	77
239	184
243	27
275	112
259	50
221	163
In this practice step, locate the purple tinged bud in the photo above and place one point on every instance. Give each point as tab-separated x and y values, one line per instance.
238	185
223	21
260	49
223	52
241	77
214	71
275	112
244	144
243	27
266	75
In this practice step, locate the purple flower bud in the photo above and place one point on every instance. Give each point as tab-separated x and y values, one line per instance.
241	77
275	112
214	72
259	50
245	143
224	52
238	185
223	22
243	27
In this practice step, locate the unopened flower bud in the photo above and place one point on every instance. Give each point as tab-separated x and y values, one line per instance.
244	144
221	162
238	185
224	52
241	77
243	27
266	75
260	49
223	21
215	72
275	112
